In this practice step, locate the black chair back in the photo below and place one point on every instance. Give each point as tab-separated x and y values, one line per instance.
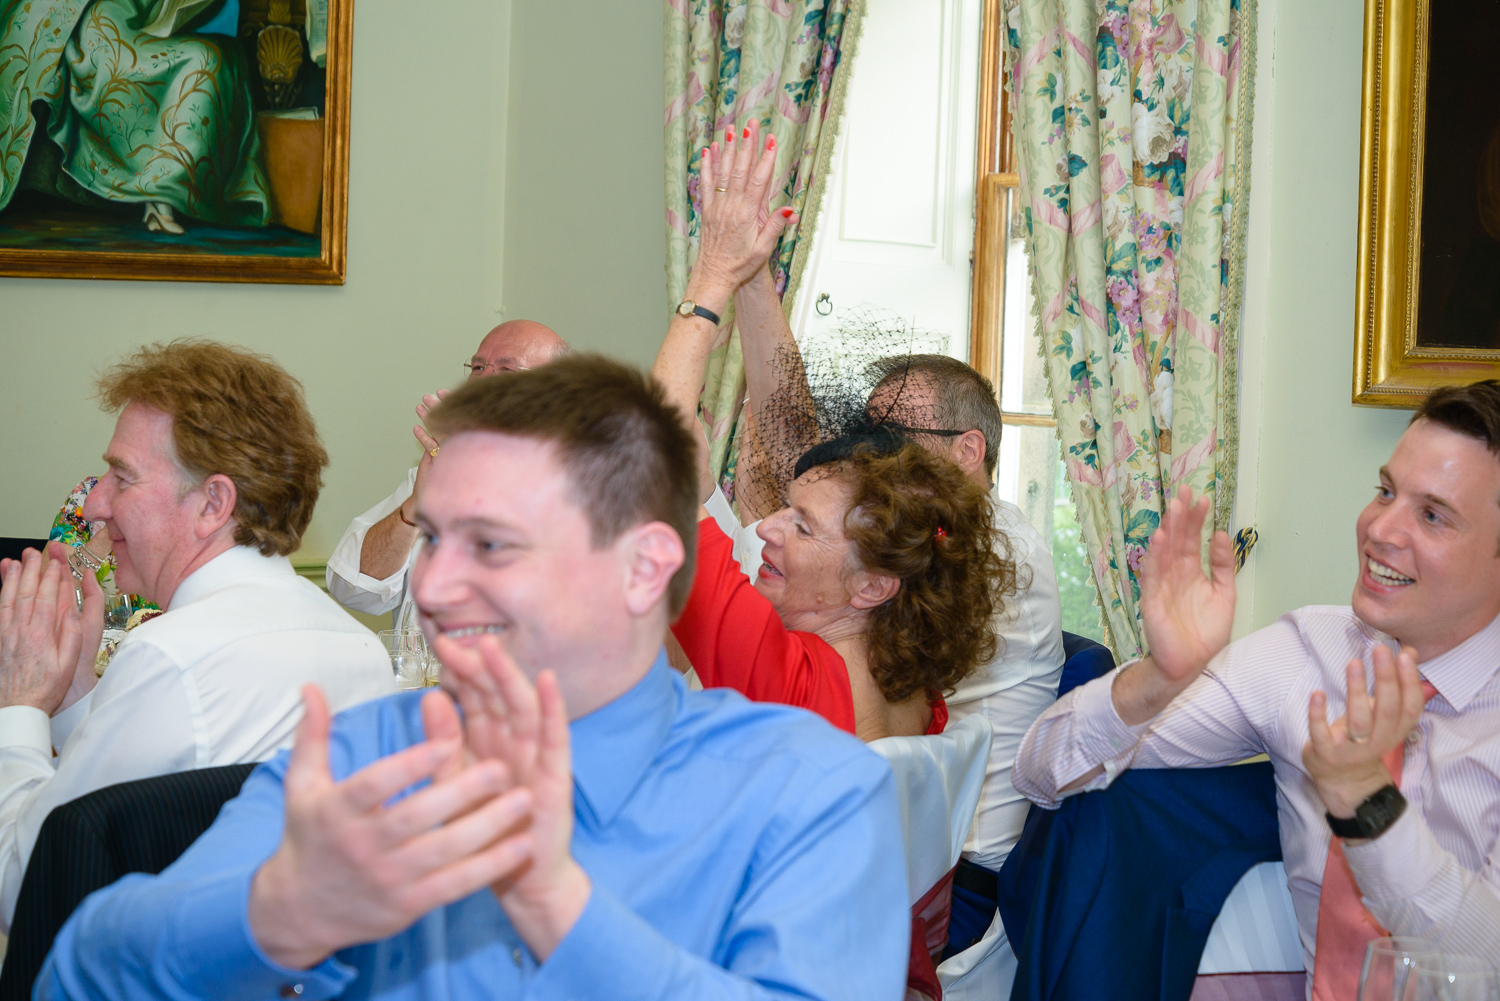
87	844
11	549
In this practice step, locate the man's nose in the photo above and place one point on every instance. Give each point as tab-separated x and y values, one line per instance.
95	507
1389	526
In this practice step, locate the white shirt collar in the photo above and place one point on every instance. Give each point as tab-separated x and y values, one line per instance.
231	565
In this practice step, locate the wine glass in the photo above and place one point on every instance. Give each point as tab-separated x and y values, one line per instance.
1450	977
404	647
1388	963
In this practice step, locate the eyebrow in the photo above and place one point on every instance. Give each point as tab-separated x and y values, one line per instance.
1431	498
115	462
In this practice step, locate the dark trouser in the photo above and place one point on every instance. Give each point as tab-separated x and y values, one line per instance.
975	889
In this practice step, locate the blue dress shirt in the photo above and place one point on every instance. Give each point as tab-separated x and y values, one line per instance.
736	850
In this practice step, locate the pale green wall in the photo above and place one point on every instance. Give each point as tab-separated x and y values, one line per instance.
585	242
1318	454
432	227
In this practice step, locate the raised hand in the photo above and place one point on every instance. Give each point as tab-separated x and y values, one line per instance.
353	867
508	720
41	633
1344	758
737	232
1187	615
429	451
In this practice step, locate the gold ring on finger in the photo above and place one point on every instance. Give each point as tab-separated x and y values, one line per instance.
434	451
717	188
1358	740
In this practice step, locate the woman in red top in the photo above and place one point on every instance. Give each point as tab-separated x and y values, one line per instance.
880	581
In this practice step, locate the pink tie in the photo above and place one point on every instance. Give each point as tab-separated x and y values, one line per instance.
1345	927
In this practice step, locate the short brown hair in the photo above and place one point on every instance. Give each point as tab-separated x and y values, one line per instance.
916	516
965	399
627	454
1472	410
235	413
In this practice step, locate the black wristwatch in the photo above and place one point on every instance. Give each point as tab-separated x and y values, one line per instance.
688	307
1373	817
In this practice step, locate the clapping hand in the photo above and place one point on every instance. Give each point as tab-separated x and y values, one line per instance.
41	631
429	449
1187	615
1345	758
355	867
737	232
525	727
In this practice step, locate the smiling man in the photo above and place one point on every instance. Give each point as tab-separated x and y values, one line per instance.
590	829
1382	718
370	566
214	468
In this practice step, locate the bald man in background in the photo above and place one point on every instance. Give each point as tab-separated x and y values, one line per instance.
368	569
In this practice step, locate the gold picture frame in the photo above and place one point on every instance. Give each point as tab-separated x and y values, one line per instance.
324	212
1405	320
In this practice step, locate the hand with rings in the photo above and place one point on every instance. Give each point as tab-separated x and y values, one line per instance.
1345	758
430	446
737	232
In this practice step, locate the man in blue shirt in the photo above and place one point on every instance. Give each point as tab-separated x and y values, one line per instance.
588	828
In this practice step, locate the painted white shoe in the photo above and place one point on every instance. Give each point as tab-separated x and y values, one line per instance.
159	219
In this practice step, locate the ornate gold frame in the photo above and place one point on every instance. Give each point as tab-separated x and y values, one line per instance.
1390	369
325	269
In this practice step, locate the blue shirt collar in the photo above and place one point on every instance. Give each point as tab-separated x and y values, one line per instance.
614	744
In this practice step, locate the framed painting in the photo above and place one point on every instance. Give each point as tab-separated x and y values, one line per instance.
184	140
1428	309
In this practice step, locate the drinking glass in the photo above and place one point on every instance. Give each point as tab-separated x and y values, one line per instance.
1388	963
408	661
1449	977
117	610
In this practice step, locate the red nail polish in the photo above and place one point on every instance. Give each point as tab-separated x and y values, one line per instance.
747	133
729	134
771	143
786	213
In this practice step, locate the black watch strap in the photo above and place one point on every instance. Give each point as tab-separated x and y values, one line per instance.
1373	817
707	314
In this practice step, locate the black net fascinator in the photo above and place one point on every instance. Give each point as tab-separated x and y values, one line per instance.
839	394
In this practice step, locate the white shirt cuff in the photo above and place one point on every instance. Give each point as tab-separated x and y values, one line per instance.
1399	864
1105	735
65	722
26	726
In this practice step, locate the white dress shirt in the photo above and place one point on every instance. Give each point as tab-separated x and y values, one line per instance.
1016	687
215	681
1011	690
362	592
1435	873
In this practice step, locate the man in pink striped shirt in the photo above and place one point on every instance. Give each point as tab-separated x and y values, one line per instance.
1412	788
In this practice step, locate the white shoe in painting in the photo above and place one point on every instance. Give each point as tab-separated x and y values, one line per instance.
159	219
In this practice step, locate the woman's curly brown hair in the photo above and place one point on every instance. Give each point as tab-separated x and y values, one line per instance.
915	516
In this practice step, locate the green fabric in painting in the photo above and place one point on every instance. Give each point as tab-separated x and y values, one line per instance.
136	118
777	61
1131	135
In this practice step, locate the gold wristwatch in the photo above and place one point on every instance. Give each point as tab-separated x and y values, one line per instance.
688	307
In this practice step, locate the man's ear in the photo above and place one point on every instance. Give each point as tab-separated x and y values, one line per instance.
968	451
650	554
217	507
868	590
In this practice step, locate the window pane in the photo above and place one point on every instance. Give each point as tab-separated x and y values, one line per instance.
1030	475
1023	380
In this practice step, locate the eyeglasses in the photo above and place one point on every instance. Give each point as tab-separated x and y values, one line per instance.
941	432
489	368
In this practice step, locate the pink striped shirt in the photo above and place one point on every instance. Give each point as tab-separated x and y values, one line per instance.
1435	873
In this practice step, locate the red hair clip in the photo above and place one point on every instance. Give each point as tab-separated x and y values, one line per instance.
941	533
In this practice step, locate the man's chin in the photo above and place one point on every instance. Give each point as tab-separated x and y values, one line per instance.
1381	612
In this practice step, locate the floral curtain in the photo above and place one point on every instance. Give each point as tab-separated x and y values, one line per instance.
783	62
1132	126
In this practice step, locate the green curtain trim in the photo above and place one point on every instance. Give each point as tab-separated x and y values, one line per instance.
1227	465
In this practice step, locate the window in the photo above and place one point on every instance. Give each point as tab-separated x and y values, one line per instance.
1003	345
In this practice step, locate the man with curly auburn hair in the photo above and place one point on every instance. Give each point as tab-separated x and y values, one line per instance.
214	469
